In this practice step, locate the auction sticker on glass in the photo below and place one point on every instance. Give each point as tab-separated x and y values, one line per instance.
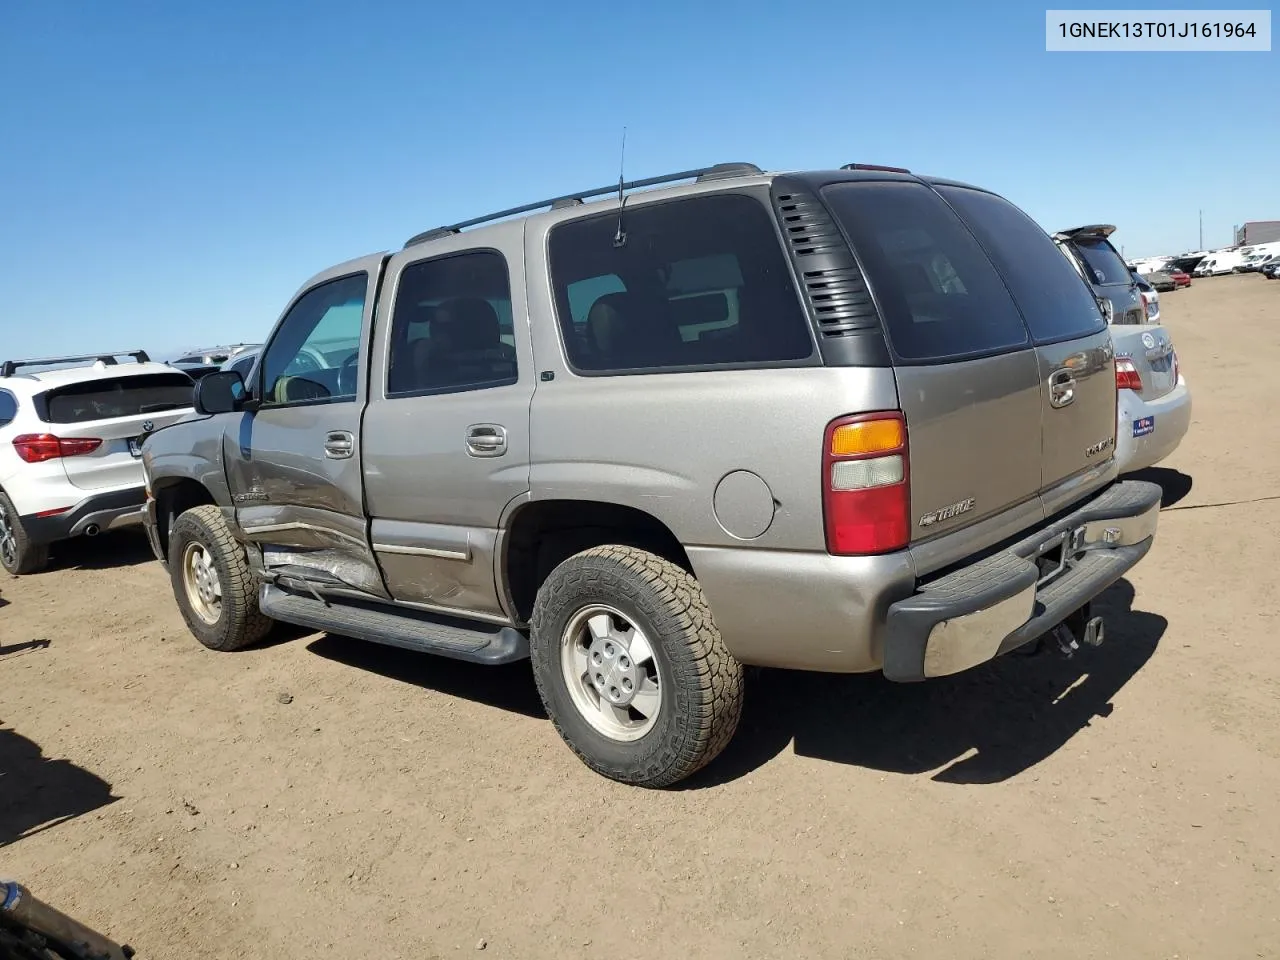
1138	31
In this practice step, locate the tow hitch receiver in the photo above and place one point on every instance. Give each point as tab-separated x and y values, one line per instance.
1092	632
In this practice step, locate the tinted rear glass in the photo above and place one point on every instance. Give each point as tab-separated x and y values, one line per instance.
699	283
939	294
1054	302
121	397
1101	260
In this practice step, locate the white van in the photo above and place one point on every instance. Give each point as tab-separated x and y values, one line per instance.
1218	263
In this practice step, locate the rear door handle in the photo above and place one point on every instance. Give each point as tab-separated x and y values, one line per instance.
486	440
1062	388
339	445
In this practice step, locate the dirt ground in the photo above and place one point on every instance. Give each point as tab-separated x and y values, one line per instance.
324	797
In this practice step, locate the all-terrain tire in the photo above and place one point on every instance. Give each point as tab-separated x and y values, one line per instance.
23	556
239	622
701	681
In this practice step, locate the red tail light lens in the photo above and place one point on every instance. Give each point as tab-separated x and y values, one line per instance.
39	447
865	499
1127	376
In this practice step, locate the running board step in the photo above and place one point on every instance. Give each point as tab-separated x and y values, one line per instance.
398	627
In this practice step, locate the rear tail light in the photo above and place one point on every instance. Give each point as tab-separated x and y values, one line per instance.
865	499
39	447
1127	376
1173	359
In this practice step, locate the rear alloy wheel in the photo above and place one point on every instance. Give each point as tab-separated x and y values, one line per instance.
631	668
18	555
608	666
212	583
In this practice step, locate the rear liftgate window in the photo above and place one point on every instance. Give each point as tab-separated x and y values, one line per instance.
123	397
1102	261
1055	303
697	283
940	296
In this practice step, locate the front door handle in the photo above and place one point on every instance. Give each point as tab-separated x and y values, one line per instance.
1062	388
339	445
486	440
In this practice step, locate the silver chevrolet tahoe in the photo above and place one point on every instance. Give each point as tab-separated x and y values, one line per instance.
847	420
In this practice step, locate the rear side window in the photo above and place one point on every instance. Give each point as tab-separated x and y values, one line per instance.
1101	261
1053	301
698	283
118	397
451	328
940	296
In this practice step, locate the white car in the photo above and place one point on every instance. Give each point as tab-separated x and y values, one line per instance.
71	446
1153	401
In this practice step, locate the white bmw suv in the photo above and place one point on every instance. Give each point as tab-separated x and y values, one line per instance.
71	446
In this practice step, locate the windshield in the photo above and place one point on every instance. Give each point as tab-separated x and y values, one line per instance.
1105	265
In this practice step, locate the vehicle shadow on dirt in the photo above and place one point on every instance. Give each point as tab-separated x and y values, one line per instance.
117	548
983	726
38	792
507	687
1174	484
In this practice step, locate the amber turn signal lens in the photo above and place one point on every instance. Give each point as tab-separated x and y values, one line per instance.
866	436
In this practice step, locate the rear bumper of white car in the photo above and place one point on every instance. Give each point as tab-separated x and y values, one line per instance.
95	513
1148	431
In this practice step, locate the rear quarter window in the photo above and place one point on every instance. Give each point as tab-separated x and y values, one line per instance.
1055	302
939	294
118	397
700	283
1101	261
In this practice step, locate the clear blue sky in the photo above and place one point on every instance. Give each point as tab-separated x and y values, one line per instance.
171	172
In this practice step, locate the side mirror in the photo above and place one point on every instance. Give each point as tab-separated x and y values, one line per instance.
220	392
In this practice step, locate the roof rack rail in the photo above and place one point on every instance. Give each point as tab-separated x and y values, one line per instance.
10	367
719	171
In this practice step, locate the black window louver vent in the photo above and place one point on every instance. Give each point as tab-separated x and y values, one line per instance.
832	283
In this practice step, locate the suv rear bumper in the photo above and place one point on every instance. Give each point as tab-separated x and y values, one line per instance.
102	511
809	610
999	603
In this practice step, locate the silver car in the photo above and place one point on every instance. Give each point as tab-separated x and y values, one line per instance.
1153	411
842	420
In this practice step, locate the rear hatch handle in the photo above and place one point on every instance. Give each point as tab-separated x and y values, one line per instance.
1062	388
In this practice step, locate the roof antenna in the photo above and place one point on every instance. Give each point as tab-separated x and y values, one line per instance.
620	237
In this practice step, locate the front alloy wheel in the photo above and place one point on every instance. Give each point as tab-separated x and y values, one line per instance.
200	577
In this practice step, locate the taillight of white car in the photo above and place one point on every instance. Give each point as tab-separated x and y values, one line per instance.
39	447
